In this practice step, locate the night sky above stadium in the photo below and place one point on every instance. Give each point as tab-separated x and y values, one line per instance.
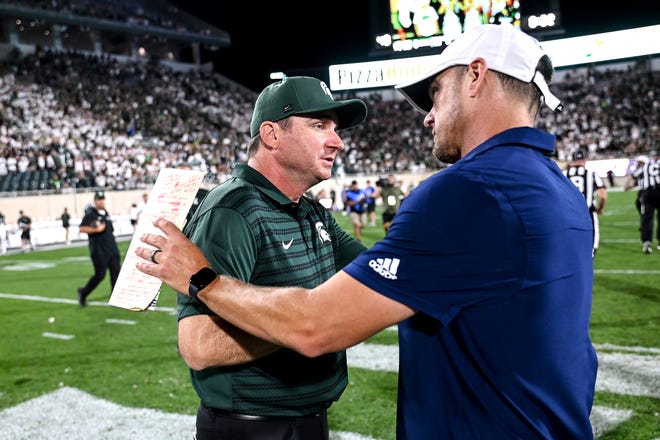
271	36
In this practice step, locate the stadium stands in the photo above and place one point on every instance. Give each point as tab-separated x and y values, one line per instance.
72	119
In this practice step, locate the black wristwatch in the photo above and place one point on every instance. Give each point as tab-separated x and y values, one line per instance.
200	280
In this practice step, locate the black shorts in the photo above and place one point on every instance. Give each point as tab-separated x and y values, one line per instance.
388	216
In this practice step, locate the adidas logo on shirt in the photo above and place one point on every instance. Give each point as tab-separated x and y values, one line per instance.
385	267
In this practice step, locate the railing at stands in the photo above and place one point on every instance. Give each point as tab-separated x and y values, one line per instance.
51	232
48	192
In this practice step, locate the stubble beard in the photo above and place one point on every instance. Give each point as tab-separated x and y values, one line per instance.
446	136
448	127
443	154
444	147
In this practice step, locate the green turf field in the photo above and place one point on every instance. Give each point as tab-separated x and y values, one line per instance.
130	358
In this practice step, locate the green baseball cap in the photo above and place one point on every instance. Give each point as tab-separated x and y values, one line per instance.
303	95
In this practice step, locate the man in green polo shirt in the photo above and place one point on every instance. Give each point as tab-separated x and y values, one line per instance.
258	227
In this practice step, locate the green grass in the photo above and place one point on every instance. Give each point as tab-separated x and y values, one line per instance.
137	365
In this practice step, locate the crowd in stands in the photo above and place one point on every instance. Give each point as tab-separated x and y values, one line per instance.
96	122
132	12
610	113
70	120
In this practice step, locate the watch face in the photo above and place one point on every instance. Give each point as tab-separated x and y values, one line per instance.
200	280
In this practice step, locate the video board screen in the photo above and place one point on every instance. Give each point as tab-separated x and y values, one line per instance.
419	24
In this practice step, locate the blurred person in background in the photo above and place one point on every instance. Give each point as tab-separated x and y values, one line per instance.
4	237
592	188
356	201
141	207
133	214
370	192
66	224
646	177
391	195
324	198
611	178
103	249
25	225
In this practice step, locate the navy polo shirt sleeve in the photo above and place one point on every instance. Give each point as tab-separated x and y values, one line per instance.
427	263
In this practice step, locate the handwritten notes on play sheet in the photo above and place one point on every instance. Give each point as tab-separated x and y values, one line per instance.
171	198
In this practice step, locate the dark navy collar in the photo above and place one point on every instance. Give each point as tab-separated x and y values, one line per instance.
519	136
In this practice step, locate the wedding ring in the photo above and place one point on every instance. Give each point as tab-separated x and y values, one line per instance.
153	255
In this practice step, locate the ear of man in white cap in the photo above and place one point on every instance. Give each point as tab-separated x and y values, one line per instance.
505	48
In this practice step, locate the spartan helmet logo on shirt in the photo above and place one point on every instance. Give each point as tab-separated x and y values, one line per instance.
323	234
326	90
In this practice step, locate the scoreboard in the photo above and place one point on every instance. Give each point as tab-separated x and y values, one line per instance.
415	26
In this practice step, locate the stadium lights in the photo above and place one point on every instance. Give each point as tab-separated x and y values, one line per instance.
542	21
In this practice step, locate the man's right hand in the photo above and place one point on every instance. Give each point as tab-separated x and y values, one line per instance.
178	259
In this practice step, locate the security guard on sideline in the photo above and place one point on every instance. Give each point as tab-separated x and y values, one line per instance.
103	248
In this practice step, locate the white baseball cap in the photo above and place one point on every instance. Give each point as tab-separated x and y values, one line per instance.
505	48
